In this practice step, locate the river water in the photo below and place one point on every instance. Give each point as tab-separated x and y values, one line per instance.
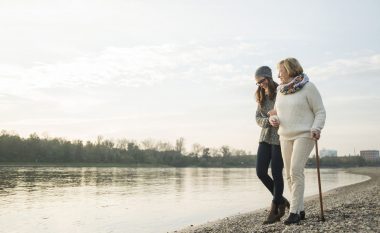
119	200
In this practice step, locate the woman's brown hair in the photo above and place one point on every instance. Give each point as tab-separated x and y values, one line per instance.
260	92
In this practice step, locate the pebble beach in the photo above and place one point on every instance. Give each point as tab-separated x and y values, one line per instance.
353	208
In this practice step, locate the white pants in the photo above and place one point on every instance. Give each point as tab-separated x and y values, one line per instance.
295	154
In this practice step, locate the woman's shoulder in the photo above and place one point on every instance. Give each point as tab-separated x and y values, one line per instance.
310	84
311	90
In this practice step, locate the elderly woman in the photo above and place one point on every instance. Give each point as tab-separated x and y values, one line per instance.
300	118
269	151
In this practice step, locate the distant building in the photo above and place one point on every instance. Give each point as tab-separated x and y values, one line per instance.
328	153
370	155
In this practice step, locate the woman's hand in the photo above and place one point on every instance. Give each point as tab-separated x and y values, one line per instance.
273	118
315	134
274	121
272	112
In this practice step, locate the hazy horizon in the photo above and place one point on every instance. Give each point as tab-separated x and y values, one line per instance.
169	69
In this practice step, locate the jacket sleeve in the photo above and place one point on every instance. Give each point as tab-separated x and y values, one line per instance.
316	105
262	121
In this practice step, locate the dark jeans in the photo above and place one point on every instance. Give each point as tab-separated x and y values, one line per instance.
268	153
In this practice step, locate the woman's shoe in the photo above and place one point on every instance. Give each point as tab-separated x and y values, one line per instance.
302	215
292	219
281	208
273	214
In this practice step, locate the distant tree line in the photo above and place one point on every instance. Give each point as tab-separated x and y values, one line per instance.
35	149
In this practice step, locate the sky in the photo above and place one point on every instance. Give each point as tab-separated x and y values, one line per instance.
165	69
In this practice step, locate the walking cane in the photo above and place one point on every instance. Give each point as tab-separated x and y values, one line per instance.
319	181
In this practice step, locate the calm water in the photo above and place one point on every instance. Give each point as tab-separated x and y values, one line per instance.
61	200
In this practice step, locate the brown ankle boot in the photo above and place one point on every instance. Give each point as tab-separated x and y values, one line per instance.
281	207
273	214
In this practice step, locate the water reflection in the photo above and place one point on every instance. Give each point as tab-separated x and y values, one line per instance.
40	178
63	199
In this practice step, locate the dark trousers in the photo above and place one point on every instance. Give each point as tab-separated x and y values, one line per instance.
271	154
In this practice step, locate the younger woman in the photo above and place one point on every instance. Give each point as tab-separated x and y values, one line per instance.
269	151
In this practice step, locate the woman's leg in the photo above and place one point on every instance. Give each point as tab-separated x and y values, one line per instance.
287	150
301	151
277	165
262	165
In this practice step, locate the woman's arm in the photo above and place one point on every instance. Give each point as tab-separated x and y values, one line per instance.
273	118
262	121
316	105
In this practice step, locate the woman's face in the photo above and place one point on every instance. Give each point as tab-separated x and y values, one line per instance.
262	82
283	75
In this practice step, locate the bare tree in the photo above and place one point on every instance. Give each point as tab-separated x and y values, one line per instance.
180	145
214	152
99	139
108	143
164	146
225	151
148	144
122	143
206	152
197	149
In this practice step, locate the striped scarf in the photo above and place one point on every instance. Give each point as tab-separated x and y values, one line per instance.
295	85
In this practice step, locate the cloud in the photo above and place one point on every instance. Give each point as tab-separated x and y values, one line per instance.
134	66
355	67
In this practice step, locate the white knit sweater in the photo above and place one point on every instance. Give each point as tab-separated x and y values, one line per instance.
300	112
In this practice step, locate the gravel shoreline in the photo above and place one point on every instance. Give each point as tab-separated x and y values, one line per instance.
353	208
